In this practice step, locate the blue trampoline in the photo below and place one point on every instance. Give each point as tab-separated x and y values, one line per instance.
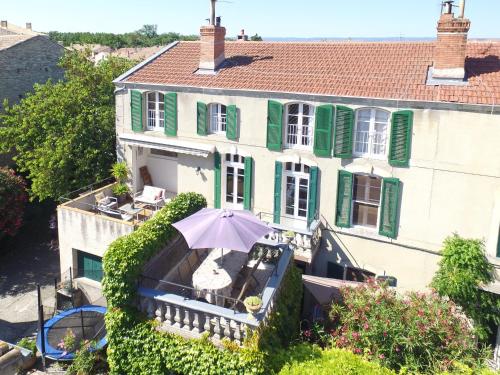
86	323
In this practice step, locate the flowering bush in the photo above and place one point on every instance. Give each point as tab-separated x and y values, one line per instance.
416	332
68	342
12	201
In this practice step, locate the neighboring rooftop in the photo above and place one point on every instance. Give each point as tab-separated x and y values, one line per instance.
10	34
388	70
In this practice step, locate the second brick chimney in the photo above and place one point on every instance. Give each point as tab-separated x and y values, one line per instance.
451	45
211	47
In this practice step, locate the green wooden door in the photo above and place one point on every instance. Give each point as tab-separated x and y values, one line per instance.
89	266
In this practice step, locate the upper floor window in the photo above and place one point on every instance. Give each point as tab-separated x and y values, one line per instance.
156	111
299	125
370	133
217	116
296	189
366	200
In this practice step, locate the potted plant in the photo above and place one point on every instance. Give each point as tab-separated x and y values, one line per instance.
288	236
253	304
120	173
30	359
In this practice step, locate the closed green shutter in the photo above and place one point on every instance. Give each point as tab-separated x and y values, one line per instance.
344	124
344	199
323	130
89	266
217	180
313	195
400	145
231	122
274	125
201	110
136	110
389	208
278	169
171	114
247	188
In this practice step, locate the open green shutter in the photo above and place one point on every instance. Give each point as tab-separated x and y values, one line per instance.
231	122
217	180
274	125
171	114
201	110
498	244
400	145
136	110
247	188
278	170
389	208
344	124
323	130
313	195
344	199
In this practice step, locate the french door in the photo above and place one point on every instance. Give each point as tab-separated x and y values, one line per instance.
234	178
296	190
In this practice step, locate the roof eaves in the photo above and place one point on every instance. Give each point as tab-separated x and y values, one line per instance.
20	41
145	62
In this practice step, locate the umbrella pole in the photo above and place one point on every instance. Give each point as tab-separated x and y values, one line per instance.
222	256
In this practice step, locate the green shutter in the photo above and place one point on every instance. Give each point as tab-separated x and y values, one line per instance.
89	266
171	114
278	168
274	125
201	110
401	128
313	195
323	130
498	244
217	180
136	110
344	199
389	208
247	188
231	122
344	121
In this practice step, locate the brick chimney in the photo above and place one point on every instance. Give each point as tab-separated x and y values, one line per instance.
242	37
212	43
3	24
28	25
451	44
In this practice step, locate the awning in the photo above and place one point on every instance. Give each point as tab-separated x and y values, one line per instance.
325	289
172	145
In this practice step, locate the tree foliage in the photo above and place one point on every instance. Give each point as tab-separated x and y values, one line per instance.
63	133
12	201
463	268
256	38
147	36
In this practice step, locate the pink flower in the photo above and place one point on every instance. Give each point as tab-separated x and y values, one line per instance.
381	356
366	326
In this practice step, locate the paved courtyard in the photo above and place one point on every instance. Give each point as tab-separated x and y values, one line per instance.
25	260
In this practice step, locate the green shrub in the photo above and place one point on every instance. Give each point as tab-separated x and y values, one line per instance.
417	331
28	343
463	268
87	361
329	362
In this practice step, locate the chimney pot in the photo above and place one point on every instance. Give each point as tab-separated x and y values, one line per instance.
28	25
3	24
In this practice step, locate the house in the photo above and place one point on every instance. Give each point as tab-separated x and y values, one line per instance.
371	153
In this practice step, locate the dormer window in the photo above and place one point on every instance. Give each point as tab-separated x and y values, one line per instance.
299	125
156	111
217	116
370	133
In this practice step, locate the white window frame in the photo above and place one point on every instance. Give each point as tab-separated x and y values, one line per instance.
372	133
217	123
155	118
297	175
300	128
236	165
366	202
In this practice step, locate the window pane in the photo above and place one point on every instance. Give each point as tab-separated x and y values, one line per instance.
288	166
360	187
306	169
379	138
240	187
361	137
374	190
364	114
290	195
229	184
228	157
364	215
293	109
381	116
297	167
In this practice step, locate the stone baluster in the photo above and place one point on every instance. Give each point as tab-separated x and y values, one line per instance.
208	324
179	317
217	327
160	312
151	308
227	329
169	314
198	321
188	319
238	334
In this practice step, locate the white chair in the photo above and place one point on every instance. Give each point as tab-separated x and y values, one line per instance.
150	195
105	202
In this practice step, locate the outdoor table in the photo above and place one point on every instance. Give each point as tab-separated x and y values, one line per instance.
209	279
131	210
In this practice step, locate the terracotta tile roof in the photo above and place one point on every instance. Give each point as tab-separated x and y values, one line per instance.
390	70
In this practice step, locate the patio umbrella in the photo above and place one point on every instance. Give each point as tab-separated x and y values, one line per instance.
231	229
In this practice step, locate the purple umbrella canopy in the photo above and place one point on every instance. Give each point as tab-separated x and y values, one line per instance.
230	229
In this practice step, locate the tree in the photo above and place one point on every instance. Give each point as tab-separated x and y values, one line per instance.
462	270
256	38
149	31
12	201
64	133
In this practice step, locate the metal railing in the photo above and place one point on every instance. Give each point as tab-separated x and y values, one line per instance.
85	190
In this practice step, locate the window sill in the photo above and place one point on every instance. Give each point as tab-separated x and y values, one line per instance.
366	232
89	282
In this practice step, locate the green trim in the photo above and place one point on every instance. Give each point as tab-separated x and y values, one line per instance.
170	100
344	199
313	195
217	180
201	118
278	172
274	137
247	184
323	130
232	122
343	132
400	144
389	208
136	110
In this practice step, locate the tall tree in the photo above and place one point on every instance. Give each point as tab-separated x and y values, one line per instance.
12	201
63	133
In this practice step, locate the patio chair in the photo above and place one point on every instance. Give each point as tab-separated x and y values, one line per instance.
103	201
150	195
114	213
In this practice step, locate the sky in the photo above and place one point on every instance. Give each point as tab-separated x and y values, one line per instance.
268	18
